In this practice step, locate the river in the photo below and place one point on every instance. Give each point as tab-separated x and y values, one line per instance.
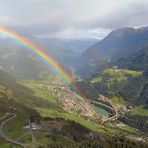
97	108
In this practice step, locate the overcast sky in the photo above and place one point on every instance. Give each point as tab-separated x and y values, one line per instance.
72	18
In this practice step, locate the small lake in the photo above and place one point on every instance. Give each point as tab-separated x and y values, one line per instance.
100	110
97	108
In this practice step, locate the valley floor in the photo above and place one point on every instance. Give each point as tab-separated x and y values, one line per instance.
59	108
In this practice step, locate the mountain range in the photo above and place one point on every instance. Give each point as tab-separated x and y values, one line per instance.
123	51
124	77
18	61
113	72
119	43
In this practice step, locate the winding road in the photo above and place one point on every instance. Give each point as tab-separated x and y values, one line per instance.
114	109
2	134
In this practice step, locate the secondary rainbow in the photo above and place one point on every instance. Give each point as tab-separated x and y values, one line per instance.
39	52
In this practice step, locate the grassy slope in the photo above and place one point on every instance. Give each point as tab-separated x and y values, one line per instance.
55	110
37	97
14	102
115	76
48	106
52	108
113	82
139	110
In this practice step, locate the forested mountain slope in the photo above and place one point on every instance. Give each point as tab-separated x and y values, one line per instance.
119	43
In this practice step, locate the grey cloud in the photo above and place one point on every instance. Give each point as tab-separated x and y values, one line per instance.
41	17
129	15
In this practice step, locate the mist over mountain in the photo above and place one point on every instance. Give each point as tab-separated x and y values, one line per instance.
65	51
18	61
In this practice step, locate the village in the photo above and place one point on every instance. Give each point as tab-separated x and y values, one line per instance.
70	101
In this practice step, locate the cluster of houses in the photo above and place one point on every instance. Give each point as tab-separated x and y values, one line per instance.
70	101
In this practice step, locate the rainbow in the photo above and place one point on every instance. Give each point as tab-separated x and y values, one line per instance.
48	60
39	52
